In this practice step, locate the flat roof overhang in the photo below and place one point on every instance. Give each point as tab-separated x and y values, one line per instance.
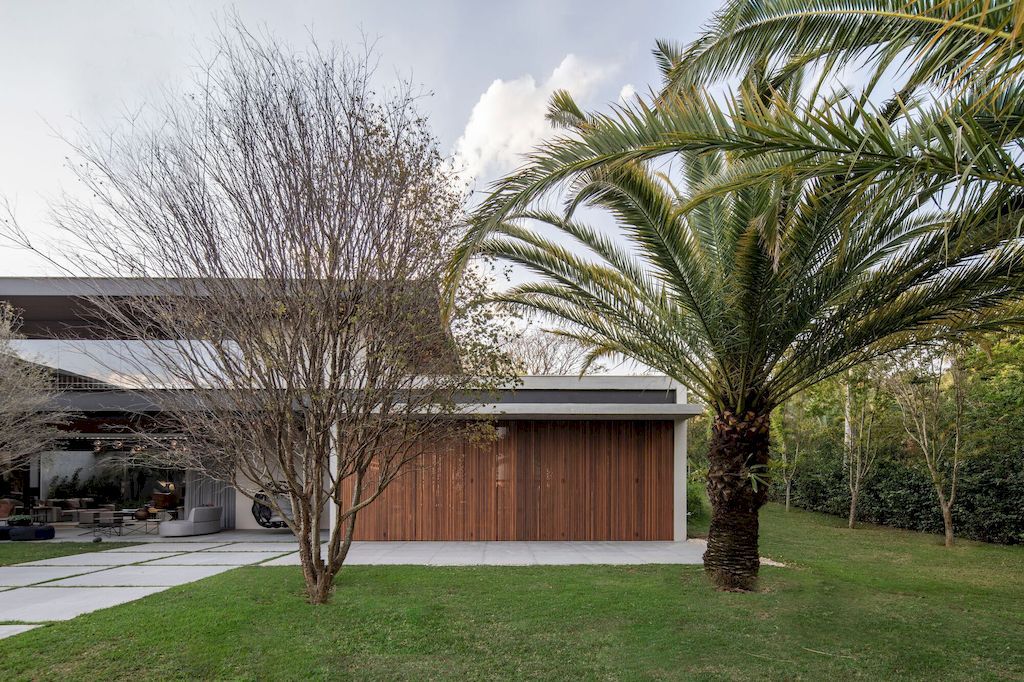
544	397
589	411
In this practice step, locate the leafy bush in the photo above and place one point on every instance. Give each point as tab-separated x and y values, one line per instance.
989	505
696	502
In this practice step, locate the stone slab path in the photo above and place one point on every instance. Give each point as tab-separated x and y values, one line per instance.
61	588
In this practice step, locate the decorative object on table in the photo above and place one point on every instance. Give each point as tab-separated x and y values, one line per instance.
141	514
166	496
27	533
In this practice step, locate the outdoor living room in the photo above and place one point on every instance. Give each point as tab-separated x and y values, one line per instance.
112	499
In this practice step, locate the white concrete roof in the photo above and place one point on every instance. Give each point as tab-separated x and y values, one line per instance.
588	410
602	382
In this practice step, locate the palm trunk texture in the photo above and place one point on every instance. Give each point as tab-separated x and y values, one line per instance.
737	488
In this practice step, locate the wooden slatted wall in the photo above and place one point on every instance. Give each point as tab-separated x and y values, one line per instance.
544	480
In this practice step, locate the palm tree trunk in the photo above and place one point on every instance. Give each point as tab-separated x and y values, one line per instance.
737	488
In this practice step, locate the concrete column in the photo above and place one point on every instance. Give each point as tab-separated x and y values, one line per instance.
679	472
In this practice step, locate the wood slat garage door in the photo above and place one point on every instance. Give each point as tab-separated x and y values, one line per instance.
544	480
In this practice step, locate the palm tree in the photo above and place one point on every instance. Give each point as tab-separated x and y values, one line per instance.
949	74
941	107
748	295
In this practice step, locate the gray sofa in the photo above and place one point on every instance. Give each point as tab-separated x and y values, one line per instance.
200	521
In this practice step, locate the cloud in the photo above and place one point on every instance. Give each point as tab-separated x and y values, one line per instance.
627	93
508	119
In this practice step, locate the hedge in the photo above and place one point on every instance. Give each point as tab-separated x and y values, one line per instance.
989	505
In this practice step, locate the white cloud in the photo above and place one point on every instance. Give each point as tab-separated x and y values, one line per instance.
508	119
627	93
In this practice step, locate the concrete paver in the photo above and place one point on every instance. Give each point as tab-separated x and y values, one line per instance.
11	630
98	559
42	604
216	559
21	576
168	547
142	576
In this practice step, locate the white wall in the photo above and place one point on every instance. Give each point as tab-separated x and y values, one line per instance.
245	521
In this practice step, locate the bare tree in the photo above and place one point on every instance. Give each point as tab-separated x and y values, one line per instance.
930	389
539	352
790	436
30	421
861	397
294	224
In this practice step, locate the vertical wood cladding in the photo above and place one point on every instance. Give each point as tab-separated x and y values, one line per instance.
544	480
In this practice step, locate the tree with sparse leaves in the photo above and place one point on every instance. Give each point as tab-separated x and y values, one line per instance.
291	225
30	420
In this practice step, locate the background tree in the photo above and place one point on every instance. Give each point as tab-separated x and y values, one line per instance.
31	421
294	223
790	437
865	415
538	352
989	504
930	389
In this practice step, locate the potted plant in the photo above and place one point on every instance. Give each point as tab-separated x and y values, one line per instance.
19	520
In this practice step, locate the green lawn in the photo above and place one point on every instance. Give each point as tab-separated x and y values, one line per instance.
18	552
872	603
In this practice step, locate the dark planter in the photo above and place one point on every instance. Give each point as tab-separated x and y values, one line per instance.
24	533
5	532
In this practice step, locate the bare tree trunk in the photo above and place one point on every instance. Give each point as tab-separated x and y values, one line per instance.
847	419
789	490
947	514
350	521
737	457
854	494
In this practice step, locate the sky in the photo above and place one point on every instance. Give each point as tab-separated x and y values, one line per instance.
75	68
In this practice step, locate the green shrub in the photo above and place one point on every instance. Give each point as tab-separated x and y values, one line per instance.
989	505
696	500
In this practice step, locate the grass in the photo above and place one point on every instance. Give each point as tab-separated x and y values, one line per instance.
872	603
19	552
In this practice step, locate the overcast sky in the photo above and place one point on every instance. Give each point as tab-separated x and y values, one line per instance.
82	64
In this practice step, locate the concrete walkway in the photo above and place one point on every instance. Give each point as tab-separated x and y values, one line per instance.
514	553
64	587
